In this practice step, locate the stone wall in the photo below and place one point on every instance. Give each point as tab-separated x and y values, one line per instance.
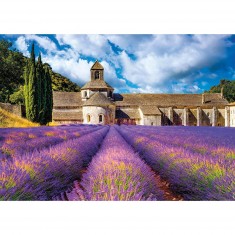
152	120
18	110
107	113
232	116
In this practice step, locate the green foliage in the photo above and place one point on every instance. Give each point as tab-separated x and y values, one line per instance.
61	83
38	91
49	96
31	89
18	96
228	89
11	70
13	74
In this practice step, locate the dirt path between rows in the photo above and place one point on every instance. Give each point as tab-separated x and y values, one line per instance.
164	186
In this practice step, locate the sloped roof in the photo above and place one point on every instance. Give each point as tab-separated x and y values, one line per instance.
96	84
98	99
73	99
169	99
232	104
128	113
97	65
67	99
67	115
150	110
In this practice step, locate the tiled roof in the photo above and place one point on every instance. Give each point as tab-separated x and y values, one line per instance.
128	113
162	100
150	110
73	99
67	99
67	115
97	65
232	104
96	84
98	99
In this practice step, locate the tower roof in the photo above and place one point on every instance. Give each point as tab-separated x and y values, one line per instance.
96	84
98	99
97	65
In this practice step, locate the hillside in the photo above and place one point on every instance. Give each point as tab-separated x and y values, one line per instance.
228	89
12	64
10	120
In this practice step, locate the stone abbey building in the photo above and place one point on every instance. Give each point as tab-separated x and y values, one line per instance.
98	104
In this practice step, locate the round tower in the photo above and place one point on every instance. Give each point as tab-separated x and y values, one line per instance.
97	97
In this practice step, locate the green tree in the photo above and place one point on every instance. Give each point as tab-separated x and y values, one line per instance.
31	85
18	96
49	96
40	92
11	70
228	89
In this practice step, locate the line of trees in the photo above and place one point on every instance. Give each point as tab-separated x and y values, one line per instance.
12	63
37	90
228	89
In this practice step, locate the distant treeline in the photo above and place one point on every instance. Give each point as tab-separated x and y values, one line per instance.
12	63
228	89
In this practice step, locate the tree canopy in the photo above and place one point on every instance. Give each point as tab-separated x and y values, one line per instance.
12	65
228	89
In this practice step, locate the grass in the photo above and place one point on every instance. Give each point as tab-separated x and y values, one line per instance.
11	120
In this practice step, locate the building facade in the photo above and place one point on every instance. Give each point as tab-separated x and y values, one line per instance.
98	104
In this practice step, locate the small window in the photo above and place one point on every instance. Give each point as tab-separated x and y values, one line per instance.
100	118
85	93
151	123
97	74
88	118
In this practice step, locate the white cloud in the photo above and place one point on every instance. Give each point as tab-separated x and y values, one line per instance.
22	46
151	62
165	59
43	42
96	46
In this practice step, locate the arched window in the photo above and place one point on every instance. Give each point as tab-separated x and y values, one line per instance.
88	118
100	118
97	74
85	93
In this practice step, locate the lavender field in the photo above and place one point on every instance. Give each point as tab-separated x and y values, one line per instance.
92	162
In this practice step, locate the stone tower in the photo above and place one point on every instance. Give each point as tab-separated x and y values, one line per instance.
97	97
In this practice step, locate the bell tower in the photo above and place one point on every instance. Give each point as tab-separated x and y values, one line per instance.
96	83
97	71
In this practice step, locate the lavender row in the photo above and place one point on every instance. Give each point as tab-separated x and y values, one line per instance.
115	173
42	175
195	137
24	134
195	140
193	176
221	155
15	146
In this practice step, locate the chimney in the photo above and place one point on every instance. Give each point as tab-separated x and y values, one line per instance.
222	92
203	98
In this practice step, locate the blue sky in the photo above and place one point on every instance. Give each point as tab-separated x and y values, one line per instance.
138	63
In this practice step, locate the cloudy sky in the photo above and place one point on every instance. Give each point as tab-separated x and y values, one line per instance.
138	63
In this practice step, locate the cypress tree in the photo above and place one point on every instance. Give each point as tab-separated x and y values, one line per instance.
38	90
26	84
40	93
32	113
48	96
